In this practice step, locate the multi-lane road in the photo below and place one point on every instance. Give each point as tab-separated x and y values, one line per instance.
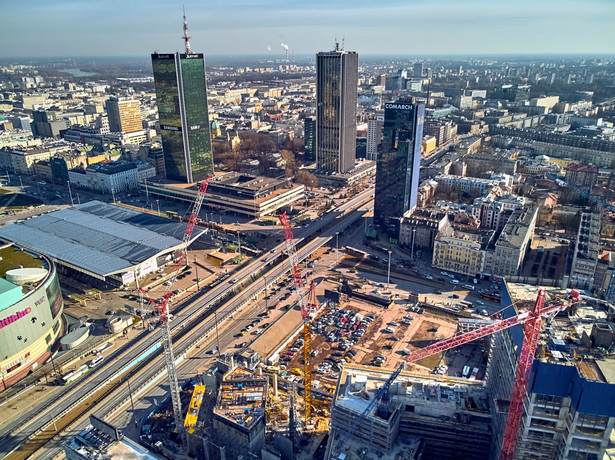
193	323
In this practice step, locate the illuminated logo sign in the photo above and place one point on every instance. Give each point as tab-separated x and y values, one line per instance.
170	128
398	106
11	319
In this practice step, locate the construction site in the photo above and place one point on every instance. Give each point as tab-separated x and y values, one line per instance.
356	372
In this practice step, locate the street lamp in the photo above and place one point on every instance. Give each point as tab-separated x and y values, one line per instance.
389	270
266	304
337	247
70	193
217	336
413	235
158	204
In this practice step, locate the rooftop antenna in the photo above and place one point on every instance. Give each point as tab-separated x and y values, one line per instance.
337	45
186	37
343	38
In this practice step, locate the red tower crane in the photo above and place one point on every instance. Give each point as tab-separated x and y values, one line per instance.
163	308
532	322
308	310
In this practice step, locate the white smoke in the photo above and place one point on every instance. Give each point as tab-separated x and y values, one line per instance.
284	45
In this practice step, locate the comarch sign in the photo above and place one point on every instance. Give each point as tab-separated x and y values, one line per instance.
399	106
12	318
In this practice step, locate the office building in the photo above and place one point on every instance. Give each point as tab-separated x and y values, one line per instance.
374	136
309	135
336	109
399	162
124	115
418	69
181	92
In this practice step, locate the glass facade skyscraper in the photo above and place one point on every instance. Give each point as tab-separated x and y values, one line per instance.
399	160
336	110
309	136
181	91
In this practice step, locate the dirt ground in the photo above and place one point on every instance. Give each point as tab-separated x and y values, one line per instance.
424	329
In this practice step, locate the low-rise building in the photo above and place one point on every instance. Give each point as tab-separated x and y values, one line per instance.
582	175
419	229
253	196
466	184
513	243
461	251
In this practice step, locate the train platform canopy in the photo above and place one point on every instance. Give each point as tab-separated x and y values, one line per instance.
98	238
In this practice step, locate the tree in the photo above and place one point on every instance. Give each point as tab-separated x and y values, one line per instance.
306	178
289	158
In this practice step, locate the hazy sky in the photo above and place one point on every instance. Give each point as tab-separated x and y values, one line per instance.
138	27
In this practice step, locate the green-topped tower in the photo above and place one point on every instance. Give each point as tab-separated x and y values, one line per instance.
181	91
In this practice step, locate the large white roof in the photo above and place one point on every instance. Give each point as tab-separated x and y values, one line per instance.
99	237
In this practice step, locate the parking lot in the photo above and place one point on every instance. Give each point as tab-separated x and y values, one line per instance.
366	334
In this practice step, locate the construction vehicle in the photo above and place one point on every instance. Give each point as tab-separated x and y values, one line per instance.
308	311
531	321
163	309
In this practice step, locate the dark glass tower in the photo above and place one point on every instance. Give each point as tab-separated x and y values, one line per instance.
181	91
309	136
399	160
336	110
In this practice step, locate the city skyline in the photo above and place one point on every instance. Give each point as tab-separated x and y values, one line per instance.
445	28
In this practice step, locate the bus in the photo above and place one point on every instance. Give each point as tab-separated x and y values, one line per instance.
75	375
467	305
356	252
493	297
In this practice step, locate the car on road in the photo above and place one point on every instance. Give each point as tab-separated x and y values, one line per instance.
439	291
429	277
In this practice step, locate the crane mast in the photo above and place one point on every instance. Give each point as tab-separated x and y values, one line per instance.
163	309
307	314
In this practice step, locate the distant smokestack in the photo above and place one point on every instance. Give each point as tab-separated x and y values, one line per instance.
285	46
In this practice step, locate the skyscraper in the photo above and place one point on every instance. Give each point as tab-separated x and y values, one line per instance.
399	162
181	91
124	115
418	69
309	136
336	111
374	135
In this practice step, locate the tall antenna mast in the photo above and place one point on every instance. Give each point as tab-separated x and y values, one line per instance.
186	37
